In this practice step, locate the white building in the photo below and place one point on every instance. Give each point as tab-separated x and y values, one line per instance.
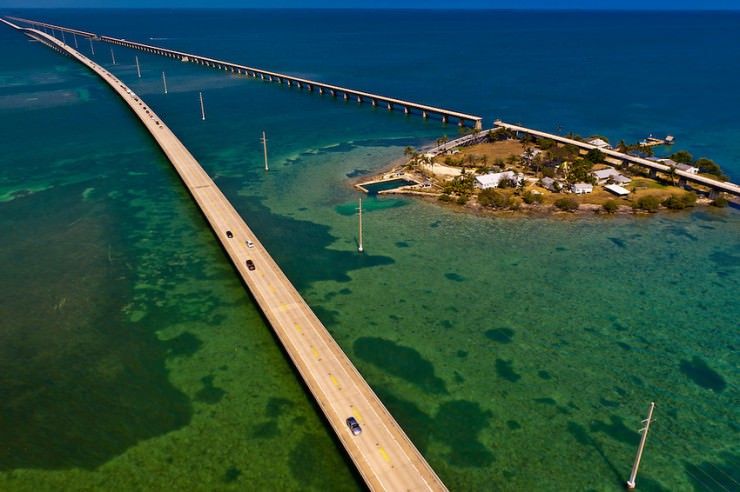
597	142
617	190
491	180
681	167
609	173
582	188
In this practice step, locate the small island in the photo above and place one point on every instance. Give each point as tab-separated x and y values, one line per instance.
501	169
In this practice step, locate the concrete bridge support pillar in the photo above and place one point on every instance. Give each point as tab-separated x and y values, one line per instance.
444	118
374	102
346	96
682	182
321	91
713	194
653	173
406	110
478	125
390	107
333	92
461	123
424	115
359	99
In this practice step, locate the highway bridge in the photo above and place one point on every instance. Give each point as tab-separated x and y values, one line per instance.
654	167
383	454
346	93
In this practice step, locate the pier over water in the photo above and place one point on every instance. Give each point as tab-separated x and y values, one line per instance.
382	453
408	107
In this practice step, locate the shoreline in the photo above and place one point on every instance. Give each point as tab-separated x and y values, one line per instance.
402	169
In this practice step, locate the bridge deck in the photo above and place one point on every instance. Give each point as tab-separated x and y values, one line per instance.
383	454
725	186
274	76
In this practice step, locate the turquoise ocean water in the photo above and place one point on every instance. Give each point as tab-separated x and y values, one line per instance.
517	353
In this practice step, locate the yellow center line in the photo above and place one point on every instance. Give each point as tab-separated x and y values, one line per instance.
357	415
298	328
384	455
333	380
271	289
314	352
285	308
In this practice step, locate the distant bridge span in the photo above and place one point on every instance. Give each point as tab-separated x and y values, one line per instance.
390	103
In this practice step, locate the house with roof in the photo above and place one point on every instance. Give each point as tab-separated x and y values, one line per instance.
617	190
550	184
492	180
582	188
610	174
600	143
680	166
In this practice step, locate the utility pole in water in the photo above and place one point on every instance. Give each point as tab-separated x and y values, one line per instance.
644	431
92	49
113	56
138	70
359	248
264	147
202	108
164	81
75	38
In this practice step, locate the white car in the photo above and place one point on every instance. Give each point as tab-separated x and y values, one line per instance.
250	244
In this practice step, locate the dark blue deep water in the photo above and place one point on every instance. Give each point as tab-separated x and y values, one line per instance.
518	353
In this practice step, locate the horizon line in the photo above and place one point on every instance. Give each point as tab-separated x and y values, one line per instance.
428	9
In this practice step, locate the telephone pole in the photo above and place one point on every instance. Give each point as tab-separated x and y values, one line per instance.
264	146
164	81
202	108
113	57
138	70
359	248
644	431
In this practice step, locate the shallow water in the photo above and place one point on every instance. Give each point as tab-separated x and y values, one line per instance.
518	354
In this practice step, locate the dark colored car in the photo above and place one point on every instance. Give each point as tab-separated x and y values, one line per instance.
229	234
354	427
250	265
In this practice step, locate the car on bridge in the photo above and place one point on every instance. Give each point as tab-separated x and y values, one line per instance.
250	244
354	427
250	265
229	234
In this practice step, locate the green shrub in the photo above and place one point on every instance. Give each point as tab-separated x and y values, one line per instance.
648	203
444	197
567	204
531	197
494	199
720	201
679	202
462	200
610	206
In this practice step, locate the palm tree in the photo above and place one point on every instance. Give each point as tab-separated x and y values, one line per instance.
672	174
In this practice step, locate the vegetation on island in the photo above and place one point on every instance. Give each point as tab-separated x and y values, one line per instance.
541	173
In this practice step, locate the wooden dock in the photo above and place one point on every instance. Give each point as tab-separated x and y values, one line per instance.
383	454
